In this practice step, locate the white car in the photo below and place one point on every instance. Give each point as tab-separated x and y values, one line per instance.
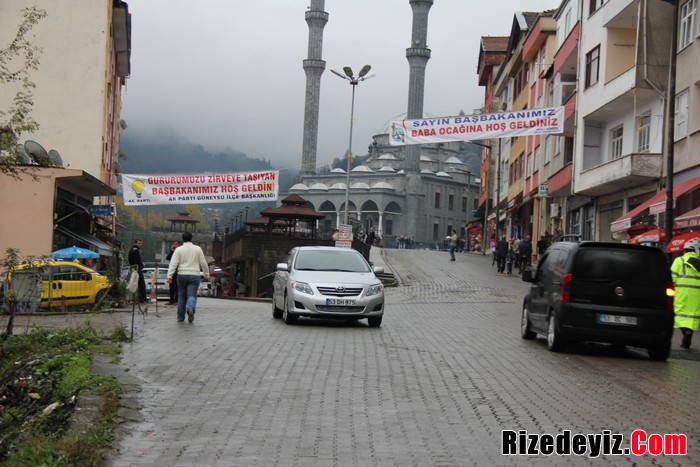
327	282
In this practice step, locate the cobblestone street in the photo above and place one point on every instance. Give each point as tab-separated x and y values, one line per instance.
434	386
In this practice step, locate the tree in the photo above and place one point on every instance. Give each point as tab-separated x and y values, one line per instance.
17	60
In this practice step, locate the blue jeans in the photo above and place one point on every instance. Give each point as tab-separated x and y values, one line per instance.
452	252
187	286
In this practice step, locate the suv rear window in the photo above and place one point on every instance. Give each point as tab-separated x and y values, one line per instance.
605	265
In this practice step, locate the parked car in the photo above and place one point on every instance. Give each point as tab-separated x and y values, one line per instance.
159	275
205	289
327	282
62	282
600	291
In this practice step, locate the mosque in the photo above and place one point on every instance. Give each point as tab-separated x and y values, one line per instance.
417	191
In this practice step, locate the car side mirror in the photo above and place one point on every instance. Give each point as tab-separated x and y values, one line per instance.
527	275
282	267
378	270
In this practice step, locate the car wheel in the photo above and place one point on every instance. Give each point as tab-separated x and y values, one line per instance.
289	318
660	352
374	321
99	298
555	342
276	312
525	331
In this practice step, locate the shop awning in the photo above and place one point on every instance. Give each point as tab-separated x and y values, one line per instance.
474	228
678	190
689	219
624	222
102	248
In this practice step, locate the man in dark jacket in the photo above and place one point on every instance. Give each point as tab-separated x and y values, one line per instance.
136	263
501	253
524	253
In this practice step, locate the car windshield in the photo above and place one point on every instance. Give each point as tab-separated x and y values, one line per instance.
331	260
604	265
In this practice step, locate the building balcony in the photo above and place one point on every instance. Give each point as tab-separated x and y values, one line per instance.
625	172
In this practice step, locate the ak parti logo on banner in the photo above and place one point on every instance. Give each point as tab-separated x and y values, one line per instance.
140	190
482	126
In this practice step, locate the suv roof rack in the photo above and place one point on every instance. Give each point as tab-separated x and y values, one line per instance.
568	238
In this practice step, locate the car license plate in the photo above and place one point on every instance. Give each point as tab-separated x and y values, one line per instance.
616	319
340	301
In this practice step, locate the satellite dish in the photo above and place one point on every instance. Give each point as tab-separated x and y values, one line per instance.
55	158
121	155
37	152
122	124
22	154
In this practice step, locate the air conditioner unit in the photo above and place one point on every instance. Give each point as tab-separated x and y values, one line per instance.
554	210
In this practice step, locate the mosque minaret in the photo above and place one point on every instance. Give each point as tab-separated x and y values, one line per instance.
418	55
314	66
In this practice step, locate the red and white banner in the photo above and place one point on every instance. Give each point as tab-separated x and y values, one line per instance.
244	187
483	126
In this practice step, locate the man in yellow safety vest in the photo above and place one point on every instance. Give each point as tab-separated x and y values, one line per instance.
685	273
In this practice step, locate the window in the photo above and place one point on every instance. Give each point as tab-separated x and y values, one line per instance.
436	227
616	142
538	156
643	132
389	230
592	66
437	199
595	5
589	223
681	123
686	30
451	202
464	204
529	165
548	148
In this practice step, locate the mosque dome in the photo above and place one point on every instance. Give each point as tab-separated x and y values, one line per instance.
443	174
319	187
338	170
299	187
386	168
427	171
453	160
360	186
338	186
387	157
383	186
424	158
400	171
362	168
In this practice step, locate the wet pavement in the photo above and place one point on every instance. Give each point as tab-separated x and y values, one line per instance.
435	385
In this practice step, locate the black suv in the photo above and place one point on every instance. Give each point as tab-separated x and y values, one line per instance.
602	292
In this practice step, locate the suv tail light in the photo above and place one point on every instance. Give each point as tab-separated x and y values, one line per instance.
565	292
670	293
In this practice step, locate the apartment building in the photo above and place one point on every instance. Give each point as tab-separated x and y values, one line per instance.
83	67
605	177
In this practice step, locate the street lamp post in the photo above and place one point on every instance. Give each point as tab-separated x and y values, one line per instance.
354	81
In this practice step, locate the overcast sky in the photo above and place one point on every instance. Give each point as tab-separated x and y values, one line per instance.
228	73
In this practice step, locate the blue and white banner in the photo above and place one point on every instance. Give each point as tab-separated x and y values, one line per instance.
482	126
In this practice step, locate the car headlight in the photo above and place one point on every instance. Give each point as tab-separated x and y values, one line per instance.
375	289
302	287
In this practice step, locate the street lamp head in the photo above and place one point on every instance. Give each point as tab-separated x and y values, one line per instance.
365	69
348	71
336	72
364	78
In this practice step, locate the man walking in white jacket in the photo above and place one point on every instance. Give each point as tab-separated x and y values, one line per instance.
188	261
